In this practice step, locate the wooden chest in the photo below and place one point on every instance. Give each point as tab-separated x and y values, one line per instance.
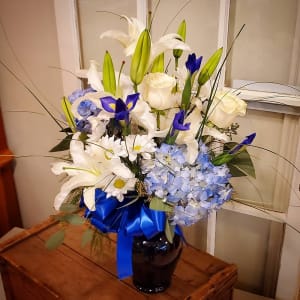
30	271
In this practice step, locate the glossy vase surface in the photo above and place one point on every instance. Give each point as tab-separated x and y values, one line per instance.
154	262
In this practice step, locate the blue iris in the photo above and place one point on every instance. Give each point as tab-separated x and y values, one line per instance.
178	123
247	141
118	106
193	63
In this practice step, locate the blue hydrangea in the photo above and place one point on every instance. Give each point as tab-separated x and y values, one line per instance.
87	108
80	93
193	189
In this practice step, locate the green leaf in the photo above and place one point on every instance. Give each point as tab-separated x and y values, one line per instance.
87	237
186	94
158	64
108	71
241	164
182	32
68	207
66	107
158	204
222	159
210	66
55	240
73	219
63	144
169	231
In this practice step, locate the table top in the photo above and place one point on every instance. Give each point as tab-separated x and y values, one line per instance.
73	272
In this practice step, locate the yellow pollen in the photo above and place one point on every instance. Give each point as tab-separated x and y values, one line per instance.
137	148
119	183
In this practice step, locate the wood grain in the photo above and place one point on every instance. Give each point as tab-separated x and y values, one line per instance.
30	271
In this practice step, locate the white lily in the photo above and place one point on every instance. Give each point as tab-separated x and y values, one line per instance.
129	41
135	28
88	172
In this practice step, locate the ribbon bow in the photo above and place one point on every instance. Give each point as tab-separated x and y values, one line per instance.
128	221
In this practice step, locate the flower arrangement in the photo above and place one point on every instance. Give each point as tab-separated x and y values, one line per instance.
150	151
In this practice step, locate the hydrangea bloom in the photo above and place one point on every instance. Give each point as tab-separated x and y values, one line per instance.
192	188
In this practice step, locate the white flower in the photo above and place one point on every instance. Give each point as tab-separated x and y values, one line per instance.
120	186
107	148
135	28
225	108
156	89
84	171
129	41
140	144
89	170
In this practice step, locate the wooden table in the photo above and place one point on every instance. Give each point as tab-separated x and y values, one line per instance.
30	271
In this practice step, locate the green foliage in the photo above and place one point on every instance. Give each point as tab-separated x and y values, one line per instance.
55	240
186	94
66	107
210	66
73	219
109	78
157	204
169	231
68	208
87	237
241	164
63	144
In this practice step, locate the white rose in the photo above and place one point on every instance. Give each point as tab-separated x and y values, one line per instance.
225	108
156	90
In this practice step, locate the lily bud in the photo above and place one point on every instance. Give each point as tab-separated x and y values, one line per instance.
158	64
210	66
109	78
182	32
140	58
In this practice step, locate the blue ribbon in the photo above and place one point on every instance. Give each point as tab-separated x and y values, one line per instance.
128	221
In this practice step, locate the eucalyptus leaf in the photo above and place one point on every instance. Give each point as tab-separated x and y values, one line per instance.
87	237
75	219
63	144
169	231
55	240
157	204
68	207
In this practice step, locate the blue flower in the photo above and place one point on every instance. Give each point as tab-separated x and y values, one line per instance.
178	123
247	141
83	125
193	63
87	108
80	93
120	108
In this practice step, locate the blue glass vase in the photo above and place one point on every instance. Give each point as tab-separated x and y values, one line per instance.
154	261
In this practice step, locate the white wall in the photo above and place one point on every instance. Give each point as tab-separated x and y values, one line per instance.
31	31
